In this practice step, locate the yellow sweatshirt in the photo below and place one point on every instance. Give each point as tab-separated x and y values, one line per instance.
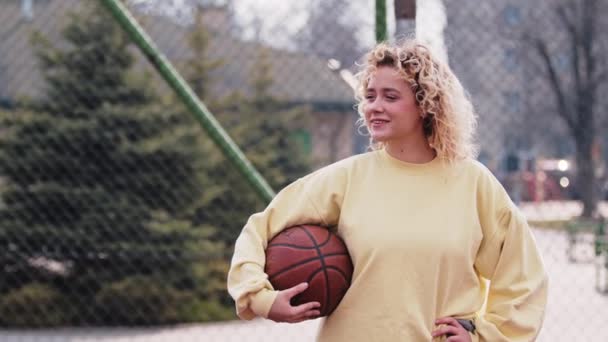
423	239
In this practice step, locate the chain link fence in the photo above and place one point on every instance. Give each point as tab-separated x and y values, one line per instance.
118	213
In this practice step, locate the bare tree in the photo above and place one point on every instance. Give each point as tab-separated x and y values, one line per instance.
575	86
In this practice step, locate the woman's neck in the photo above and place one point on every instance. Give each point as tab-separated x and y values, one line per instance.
411	153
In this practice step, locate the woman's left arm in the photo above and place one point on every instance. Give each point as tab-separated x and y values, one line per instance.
517	294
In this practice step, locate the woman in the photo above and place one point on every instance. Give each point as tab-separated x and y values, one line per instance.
425	224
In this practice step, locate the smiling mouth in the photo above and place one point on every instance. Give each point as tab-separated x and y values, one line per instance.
378	121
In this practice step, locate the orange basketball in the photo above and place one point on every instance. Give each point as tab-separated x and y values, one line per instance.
314	255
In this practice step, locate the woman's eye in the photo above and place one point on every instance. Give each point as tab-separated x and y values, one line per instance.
369	97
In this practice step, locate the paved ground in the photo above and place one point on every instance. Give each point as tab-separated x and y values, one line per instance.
556	210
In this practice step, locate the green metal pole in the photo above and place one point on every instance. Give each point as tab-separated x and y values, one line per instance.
381	29
185	93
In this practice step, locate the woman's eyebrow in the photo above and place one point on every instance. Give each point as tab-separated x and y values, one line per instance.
386	89
389	89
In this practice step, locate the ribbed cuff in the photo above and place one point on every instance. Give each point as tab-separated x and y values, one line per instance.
261	302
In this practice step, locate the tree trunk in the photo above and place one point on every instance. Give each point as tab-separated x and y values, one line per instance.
585	173
405	18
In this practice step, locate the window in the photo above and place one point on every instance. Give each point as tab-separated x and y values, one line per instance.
512	15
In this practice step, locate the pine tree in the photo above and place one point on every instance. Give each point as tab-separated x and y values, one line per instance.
267	130
199	68
100	181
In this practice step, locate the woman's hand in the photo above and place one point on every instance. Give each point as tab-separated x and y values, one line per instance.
452	330
282	310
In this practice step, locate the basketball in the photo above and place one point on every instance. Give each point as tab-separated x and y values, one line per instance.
314	255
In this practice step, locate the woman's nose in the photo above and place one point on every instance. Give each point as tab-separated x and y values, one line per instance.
374	106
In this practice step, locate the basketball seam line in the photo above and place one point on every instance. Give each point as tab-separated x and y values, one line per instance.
290	267
301	247
322	260
290	245
327	282
330	268
296	246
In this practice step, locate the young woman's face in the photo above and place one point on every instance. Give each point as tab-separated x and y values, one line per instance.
391	112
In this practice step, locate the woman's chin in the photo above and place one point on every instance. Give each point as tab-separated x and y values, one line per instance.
381	138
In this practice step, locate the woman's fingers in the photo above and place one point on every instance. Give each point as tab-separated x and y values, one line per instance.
306	316
282	310
446	330
306	311
306	307
296	290
450	328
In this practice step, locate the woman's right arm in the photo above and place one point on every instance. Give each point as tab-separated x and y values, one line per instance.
314	199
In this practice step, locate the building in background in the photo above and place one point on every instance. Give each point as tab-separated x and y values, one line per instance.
299	79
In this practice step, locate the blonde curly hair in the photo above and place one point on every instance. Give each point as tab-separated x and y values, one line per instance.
449	119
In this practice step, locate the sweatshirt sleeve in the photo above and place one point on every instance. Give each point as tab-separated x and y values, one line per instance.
314	199
509	258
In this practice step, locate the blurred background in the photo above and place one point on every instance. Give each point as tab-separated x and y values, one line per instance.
118	210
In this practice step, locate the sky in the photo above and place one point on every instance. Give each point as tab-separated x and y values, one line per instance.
281	19
276	21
